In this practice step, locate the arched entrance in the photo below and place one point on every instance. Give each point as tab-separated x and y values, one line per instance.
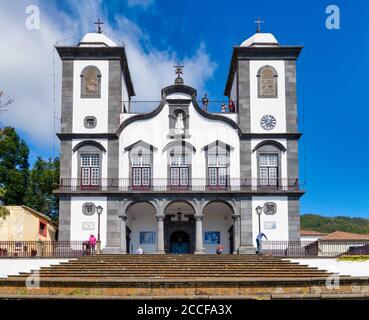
218	226
179	227
179	242
142	225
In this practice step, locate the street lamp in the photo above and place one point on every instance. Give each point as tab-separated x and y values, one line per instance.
99	210
259	211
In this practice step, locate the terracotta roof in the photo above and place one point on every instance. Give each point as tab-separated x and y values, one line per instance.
340	235
311	233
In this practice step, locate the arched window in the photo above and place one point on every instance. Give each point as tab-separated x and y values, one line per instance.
179	164
89	163
267	82
218	160
141	164
90	82
269	154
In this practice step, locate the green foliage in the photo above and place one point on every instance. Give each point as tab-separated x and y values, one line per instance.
353	258
4	212
13	167
21	186
319	223
43	179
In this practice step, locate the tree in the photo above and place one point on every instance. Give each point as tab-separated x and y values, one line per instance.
43	179
13	167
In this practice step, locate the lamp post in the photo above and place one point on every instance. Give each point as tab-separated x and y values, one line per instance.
259	211
99	210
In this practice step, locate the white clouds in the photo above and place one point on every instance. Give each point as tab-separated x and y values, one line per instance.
141	3
26	64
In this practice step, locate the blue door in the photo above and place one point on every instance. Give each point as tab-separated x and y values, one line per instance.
179	242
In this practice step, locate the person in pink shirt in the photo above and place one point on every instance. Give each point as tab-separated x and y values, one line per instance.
92	242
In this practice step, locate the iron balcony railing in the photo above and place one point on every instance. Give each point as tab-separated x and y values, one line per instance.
43	248
213	106
164	184
318	248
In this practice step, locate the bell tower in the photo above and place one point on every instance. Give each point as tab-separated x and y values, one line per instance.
262	81
96	89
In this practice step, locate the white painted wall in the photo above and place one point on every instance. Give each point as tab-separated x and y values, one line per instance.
141	217
280	218
125	96
90	106
273	106
217	217
77	219
309	238
13	266
350	268
202	130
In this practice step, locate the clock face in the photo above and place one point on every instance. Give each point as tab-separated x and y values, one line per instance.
268	122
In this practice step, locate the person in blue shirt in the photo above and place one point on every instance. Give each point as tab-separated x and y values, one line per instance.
259	239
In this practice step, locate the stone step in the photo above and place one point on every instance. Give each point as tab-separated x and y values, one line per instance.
204	272
152	263
132	268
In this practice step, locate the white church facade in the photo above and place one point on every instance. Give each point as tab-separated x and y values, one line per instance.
178	179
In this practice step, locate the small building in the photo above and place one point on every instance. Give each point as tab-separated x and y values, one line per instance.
26	224
311	236
338	243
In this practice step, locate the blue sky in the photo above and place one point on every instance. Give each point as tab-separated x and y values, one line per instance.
332	73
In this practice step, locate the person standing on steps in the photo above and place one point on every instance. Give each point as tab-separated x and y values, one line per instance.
259	239
139	250
92	243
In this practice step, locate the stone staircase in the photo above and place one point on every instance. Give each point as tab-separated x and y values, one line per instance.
177	266
180	276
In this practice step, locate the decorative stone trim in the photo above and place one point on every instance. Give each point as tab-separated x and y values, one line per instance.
88	120
88	208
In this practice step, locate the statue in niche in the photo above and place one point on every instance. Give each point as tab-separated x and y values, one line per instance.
179	127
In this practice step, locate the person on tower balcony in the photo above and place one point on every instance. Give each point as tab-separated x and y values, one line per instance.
223	108
205	102
231	106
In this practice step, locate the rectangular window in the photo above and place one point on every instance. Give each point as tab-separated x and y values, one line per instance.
42	229
268	170
141	171
180	170
217	170
90	170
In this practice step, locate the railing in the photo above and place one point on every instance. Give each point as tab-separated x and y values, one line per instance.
213	106
164	184
319	248
43	248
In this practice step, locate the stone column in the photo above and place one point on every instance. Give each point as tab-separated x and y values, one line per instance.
246	241
236	233
123	235
199	244
160	234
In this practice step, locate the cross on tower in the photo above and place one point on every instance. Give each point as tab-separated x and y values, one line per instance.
98	25
179	70
258	22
